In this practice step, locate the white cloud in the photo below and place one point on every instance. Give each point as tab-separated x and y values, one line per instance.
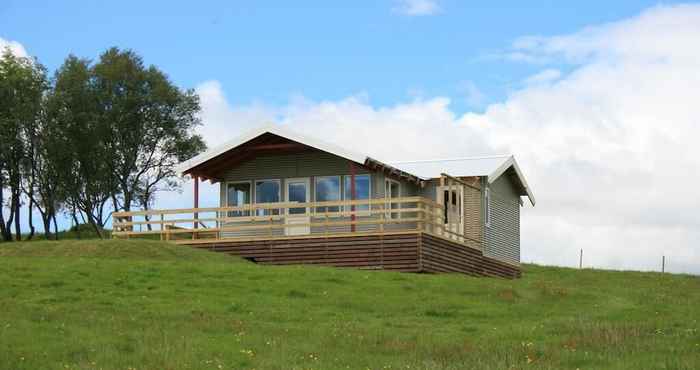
15	47
224	121
544	77
417	7
609	148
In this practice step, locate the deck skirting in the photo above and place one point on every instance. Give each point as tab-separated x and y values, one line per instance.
412	252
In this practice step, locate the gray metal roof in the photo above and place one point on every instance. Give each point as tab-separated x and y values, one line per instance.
492	167
433	168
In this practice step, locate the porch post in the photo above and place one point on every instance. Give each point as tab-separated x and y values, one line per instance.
196	199
353	195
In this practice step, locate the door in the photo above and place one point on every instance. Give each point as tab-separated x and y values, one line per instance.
451	198
297	191
392	190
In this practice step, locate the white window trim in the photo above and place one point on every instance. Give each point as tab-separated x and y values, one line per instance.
252	195
340	192
487	207
254	192
306	180
369	196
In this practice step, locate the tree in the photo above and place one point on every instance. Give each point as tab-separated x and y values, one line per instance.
147	123
22	85
47	192
77	148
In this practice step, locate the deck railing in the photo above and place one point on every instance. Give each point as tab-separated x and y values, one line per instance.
288	219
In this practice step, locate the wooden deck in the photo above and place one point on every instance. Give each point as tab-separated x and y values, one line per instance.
405	234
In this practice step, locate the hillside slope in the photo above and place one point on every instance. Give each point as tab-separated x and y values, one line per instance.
148	305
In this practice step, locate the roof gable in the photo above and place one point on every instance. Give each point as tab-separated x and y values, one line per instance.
277	138
220	152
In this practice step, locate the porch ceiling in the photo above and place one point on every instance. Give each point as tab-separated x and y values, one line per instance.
265	144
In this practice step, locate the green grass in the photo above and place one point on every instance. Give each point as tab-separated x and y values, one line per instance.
148	305
81	232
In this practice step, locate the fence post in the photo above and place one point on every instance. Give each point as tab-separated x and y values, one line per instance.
663	264
580	260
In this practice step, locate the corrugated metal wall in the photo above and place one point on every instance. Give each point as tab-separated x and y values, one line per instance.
503	234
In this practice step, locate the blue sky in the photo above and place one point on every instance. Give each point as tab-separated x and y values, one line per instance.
598	101
261	51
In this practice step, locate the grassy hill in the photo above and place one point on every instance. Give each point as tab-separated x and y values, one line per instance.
148	305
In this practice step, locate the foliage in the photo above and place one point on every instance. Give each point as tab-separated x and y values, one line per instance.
119	304
147	124
22	83
97	137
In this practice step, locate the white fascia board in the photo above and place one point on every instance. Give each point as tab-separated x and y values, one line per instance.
510	162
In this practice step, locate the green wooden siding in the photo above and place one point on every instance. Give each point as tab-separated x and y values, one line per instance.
304	165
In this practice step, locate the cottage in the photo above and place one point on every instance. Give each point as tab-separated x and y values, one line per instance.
286	198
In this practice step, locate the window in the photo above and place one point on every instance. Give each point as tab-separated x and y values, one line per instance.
362	191
487	207
267	191
297	191
238	195
327	190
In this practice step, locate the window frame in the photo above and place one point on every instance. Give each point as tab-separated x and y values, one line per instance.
255	197
340	195
346	196
307	182
252	197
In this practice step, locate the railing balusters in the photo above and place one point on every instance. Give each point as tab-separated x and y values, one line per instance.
417	214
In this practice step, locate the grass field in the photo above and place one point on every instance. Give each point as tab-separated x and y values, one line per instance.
147	305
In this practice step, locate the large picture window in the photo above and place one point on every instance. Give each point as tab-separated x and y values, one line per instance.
238	195
267	191
327	190
363	190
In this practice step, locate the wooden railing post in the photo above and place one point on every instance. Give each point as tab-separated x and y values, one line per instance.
270	225
421	216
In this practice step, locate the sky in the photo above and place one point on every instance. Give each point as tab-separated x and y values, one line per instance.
598	101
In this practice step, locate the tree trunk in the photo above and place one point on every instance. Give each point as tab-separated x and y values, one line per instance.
17	207
4	231
46	220
55	226
147	217
77	224
30	217
94	224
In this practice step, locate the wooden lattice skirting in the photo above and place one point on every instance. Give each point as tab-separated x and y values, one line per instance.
417	252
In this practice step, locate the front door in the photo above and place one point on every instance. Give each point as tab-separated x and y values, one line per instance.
392	190
297	191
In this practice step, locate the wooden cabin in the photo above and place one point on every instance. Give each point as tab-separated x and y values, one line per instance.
290	199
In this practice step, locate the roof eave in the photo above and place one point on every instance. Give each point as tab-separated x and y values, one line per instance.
510	162
186	166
